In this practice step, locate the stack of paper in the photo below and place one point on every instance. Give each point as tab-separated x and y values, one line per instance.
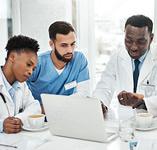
20	142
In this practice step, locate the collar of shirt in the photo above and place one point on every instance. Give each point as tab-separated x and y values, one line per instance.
141	59
10	88
59	71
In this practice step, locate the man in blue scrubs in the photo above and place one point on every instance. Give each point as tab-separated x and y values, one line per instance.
62	70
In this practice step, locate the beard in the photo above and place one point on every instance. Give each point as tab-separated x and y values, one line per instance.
63	58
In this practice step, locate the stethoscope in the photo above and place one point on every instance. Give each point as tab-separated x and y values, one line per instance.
5	102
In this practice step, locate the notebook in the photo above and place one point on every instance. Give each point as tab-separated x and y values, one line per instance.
76	117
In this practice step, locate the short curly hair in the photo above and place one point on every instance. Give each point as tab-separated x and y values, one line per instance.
21	43
140	21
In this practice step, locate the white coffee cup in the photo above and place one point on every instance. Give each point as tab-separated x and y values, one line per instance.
36	120
144	120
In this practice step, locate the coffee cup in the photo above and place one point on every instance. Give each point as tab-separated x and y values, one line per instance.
36	120
144	120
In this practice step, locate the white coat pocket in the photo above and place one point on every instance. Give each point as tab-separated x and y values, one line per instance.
148	89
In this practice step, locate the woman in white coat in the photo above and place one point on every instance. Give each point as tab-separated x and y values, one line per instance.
118	76
16	100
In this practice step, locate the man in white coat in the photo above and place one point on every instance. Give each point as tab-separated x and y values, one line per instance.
16	100
133	70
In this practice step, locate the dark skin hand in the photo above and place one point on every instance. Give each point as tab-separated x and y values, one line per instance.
129	99
140	105
12	125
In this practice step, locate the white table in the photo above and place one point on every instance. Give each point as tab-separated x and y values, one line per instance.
59	143
62	143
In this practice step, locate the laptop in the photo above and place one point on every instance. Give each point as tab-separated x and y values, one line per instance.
76	117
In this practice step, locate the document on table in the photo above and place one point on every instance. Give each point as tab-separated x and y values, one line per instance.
20	142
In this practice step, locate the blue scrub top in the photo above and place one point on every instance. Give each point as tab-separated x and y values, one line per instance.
45	78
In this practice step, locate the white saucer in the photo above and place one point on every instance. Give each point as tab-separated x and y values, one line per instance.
34	129
152	127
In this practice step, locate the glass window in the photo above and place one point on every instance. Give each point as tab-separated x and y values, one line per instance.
110	17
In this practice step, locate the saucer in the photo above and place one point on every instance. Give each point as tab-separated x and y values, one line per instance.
152	127
26	128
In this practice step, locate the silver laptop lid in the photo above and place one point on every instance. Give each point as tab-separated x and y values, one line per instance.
76	117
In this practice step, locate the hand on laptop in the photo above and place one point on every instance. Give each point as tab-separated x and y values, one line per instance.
140	105
129	99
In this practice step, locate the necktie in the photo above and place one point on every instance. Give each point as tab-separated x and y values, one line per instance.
136	73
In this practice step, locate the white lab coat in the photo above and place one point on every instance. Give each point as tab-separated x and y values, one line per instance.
118	76
23	100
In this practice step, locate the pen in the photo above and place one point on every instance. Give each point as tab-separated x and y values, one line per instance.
8	145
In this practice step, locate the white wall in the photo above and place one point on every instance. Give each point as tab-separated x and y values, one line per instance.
33	18
4	14
86	35
3	39
155	21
